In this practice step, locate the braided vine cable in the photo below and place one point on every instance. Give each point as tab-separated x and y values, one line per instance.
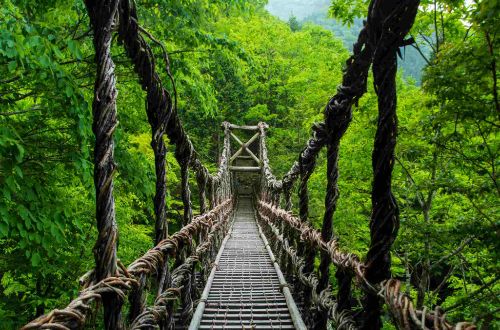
102	16
321	299
163	119
353	87
164	116
185	291
338	115
181	277
397	18
313	237
137	298
186	193
306	167
202	191
75	314
158	109
158	104
331	197
400	305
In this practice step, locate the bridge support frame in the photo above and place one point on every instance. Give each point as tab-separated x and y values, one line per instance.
244	152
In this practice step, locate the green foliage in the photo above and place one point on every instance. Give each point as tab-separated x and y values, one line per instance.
345	20
294	24
347	11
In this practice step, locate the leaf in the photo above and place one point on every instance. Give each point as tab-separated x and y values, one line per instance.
35	259
4	229
23	212
18	171
57	52
74	49
44	61
12	66
20	153
11	183
68	90
6	194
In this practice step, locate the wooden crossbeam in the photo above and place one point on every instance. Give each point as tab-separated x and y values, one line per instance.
244	127
245	168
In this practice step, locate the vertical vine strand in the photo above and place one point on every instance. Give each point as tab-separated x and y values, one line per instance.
202	191
137	299
158	105
201	180
397	18
384	223
288	199
102	16
158	110
327	227
338	116
186	291
305	248
186	193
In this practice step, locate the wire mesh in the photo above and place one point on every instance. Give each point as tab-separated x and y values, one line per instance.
245	293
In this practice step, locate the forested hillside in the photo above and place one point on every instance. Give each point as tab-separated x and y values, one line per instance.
346	28
234	61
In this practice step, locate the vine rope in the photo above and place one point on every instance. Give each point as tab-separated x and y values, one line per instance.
296	243
383	33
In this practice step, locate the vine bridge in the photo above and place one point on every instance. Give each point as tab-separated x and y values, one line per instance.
246	261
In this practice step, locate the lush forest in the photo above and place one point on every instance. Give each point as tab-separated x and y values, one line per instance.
344	27
234	61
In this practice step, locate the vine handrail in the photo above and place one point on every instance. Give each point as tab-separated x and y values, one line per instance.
110	280
298	243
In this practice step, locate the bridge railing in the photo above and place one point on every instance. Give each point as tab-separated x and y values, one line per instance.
297	243
131	281
167	271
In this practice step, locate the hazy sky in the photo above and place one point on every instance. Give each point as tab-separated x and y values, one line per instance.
303	8
299	8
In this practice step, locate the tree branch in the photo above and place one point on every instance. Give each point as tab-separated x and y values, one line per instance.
462	245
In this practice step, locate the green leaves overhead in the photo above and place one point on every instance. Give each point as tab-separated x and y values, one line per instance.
347	11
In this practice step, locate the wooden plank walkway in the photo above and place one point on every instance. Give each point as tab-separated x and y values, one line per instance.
245	290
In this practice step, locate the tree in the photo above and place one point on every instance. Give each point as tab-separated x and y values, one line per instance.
294	24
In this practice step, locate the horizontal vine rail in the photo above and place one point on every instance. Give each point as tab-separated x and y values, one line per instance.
74	315
400	304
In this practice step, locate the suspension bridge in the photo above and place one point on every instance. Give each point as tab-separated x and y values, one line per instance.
246	261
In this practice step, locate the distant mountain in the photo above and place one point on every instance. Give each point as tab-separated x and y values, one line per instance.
298	8
316	11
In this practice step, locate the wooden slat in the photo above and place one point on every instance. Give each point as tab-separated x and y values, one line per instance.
244	168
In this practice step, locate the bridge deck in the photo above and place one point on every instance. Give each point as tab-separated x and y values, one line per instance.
246	289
